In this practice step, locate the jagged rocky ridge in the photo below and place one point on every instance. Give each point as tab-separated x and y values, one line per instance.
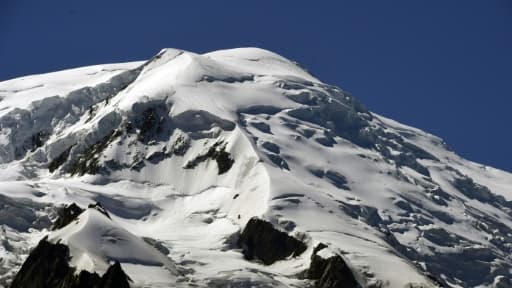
47	266
184	150
330	270
48	263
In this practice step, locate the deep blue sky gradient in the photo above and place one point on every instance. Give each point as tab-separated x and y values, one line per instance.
444	66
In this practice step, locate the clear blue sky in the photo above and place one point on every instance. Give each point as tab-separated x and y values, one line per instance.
443	66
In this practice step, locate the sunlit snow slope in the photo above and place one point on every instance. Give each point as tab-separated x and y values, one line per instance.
183	149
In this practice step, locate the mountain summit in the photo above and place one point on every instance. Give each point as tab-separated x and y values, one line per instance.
235	168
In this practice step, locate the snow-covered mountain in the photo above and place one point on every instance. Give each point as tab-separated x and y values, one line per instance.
235	168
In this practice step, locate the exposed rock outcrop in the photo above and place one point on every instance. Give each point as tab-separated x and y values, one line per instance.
218	153
261	241
330	270
66	215
98	206
47	266
114	277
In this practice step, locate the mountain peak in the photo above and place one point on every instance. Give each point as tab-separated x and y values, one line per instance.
184	149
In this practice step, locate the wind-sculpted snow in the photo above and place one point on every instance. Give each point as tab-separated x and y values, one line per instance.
184	149
94	241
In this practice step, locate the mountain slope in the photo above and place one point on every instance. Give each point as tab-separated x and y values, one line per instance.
184	149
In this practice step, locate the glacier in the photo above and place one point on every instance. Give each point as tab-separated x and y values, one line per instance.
184	149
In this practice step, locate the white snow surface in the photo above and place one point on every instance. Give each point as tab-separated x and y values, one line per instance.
134	137
94	239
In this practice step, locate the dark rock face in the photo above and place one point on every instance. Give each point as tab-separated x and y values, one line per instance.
59	160
47	266
66	215
218	153
114	277
86	280
261	241
151	121
98	206
224	160
88	161
332	272
479	192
